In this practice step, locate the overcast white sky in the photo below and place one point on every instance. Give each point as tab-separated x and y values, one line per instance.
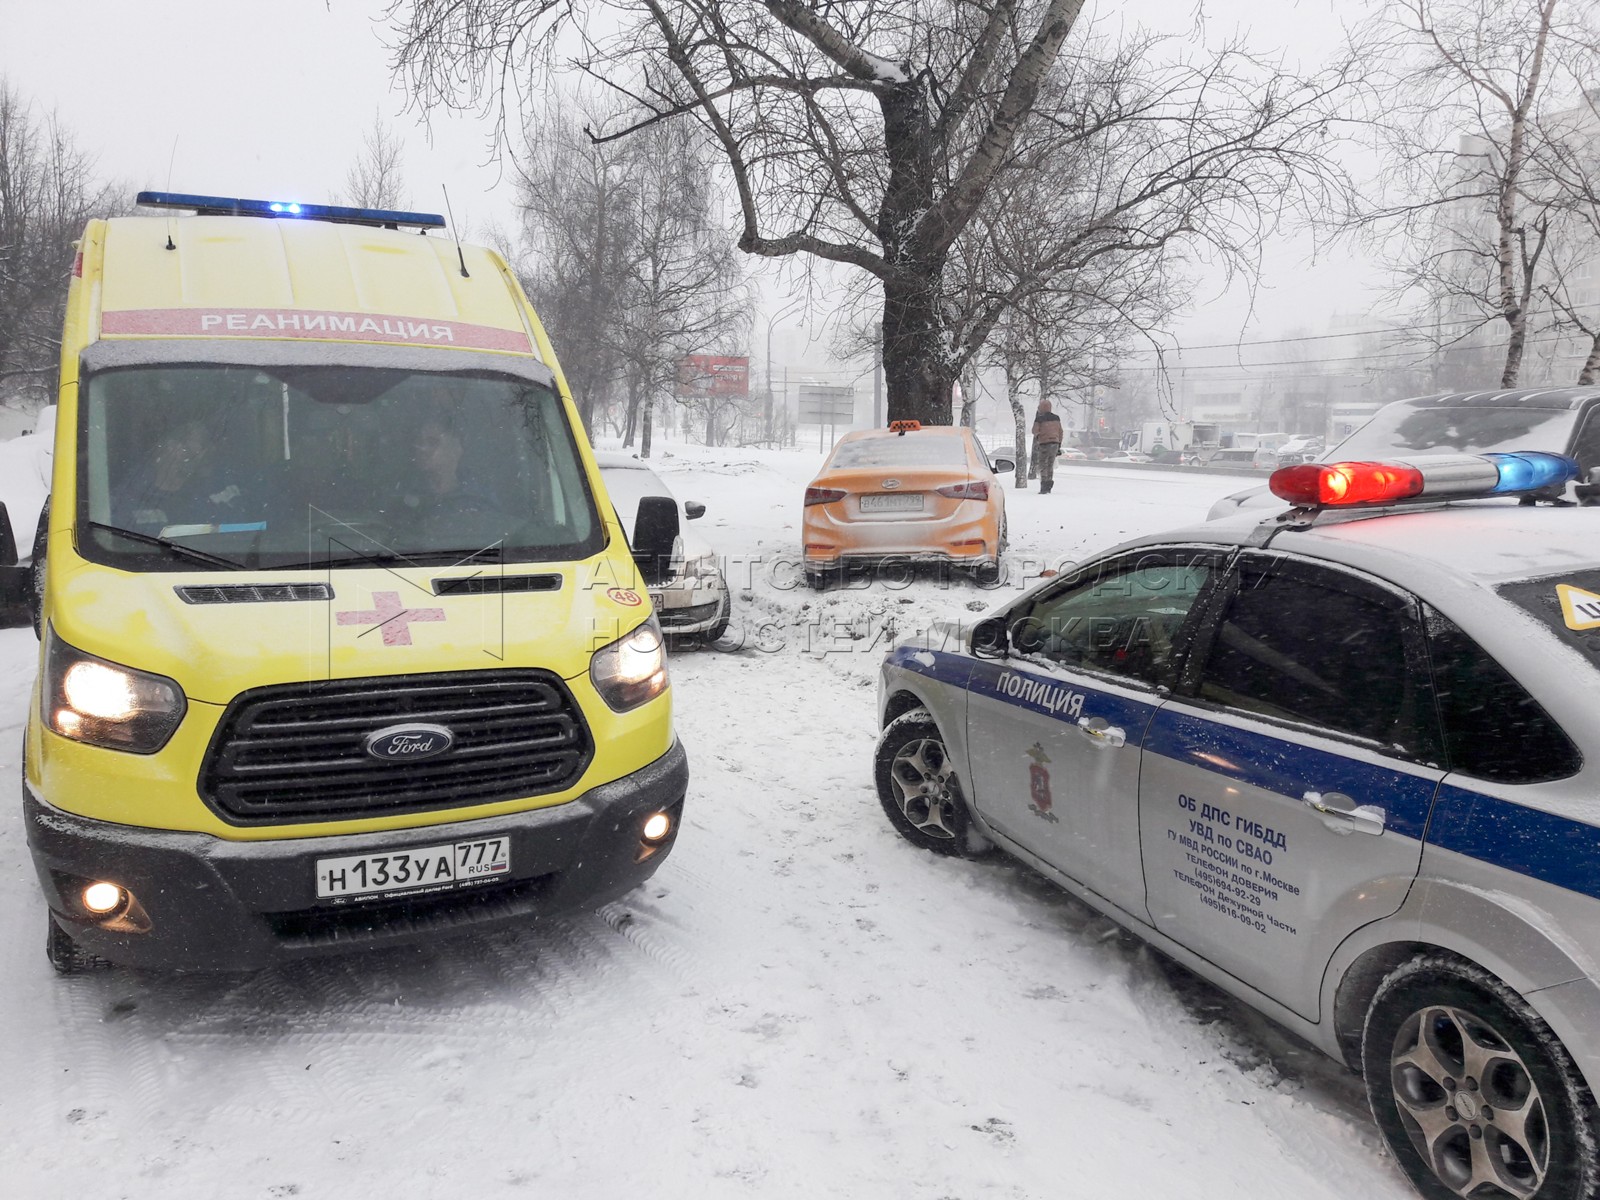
271	100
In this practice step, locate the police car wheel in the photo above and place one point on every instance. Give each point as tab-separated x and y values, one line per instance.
65	955
918	788
1473	1092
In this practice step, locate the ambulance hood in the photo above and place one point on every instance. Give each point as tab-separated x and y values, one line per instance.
218	633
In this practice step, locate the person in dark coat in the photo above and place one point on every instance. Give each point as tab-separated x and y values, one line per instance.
1046	444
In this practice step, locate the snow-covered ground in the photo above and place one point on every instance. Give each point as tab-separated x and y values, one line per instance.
800	1004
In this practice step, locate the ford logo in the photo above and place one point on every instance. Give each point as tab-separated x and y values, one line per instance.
408	743
891	483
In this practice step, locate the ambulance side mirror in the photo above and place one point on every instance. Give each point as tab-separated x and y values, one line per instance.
8	539
655	530
15	582
990	638
693	509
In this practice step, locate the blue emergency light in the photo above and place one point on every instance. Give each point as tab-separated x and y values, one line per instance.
225	206
1532	470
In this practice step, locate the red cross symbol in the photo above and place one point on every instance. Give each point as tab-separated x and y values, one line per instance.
393	618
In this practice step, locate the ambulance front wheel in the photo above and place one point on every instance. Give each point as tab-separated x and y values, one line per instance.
920	791
1473	1092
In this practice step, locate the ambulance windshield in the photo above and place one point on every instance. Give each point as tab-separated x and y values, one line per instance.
313	466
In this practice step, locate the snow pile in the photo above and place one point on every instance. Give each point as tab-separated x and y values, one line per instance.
25	482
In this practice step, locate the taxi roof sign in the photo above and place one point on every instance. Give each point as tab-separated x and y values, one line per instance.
904	427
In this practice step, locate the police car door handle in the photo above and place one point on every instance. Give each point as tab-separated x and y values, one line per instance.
1343	815
1101	733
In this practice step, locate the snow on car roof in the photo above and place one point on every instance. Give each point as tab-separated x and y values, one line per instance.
926	430
619	460
1491	541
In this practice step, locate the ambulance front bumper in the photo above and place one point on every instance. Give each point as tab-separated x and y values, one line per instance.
202	903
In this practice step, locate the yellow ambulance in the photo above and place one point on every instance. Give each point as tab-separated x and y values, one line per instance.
341	642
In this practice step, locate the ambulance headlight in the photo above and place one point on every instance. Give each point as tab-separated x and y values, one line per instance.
91	700
632	669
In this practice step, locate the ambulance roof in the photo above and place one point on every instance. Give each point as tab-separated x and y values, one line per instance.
237	277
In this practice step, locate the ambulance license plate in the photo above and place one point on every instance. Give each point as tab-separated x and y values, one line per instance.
421	868
910	502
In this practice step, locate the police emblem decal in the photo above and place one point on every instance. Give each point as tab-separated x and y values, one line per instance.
1039	785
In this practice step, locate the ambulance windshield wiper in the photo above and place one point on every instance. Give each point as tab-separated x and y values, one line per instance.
175	548
396	558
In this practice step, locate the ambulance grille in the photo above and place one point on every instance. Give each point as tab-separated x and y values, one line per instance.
297	752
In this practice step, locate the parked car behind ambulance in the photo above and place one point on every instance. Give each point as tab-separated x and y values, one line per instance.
688	590
342	643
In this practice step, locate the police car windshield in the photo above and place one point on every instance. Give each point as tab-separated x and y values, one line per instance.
907	450
1402	429
294	466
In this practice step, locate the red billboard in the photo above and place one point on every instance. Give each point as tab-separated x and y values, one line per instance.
713	375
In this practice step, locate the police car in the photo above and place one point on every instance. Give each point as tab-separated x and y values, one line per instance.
1343	762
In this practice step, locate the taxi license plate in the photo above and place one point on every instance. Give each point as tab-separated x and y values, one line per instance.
910	502
451	864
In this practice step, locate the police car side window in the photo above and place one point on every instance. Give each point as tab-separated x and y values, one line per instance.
1493	729
1311	646
1124	622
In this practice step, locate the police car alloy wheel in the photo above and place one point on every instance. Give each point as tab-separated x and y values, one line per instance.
918	788
1473	1092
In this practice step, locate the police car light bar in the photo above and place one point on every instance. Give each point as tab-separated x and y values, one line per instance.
224	206
1445	477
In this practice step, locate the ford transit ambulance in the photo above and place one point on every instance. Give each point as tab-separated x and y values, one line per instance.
341	642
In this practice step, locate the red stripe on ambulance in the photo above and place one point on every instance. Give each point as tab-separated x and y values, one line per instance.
309	324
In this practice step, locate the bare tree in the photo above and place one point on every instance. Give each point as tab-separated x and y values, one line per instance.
377	178
629	266
1567	159
867	132
47	193
576	199
1463	88
685	291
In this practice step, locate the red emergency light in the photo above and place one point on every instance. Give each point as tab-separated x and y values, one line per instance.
1319	484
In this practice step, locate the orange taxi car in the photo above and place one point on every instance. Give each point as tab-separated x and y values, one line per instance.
909	492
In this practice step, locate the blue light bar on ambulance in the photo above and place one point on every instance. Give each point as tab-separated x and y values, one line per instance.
1442	477
225	206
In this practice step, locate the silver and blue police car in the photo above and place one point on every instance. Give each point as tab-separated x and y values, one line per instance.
1343	763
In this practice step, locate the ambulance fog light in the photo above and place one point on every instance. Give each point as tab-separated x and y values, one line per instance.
657	826
102	898
104	704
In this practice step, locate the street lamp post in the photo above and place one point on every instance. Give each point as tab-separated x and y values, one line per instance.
767	416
